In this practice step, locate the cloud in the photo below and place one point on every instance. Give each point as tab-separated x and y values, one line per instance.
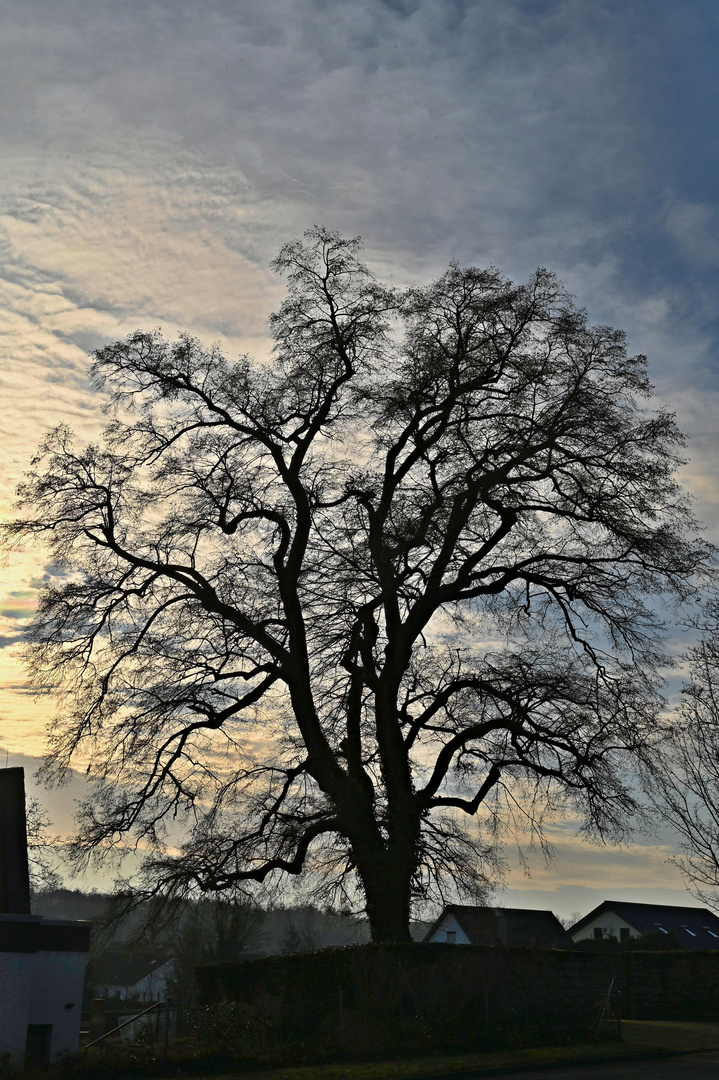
17	611
695	227
581	875
571	901
156	155
179	145
420	125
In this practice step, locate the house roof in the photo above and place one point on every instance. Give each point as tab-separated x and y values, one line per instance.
121	966
511	927
694	927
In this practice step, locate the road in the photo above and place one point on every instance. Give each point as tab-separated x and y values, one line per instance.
689	1067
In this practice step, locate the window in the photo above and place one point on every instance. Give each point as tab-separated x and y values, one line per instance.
713	934
598	933
660	927
690	932
624	933
451	937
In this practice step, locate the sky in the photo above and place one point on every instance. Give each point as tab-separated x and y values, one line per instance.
155	155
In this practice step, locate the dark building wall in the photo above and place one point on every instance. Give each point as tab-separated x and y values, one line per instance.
14	876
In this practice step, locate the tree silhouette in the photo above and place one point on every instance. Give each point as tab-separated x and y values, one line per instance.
358	608
685	781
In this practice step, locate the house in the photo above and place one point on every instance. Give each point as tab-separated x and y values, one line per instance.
42	961
131	973
692	927
512	928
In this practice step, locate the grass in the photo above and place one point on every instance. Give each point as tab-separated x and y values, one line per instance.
638	1037
642	1036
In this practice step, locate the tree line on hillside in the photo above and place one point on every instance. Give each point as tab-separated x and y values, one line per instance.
192	934
364	610
216	926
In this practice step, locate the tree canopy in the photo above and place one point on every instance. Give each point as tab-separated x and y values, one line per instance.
354	609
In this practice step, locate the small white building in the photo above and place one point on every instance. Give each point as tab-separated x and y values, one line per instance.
42	972
689	927
121	975
42	961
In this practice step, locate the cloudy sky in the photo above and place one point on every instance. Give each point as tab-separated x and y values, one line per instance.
156	153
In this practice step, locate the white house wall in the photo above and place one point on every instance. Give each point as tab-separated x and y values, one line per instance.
154	985
450	923
34	989
610	924
16	972
42	969
57	983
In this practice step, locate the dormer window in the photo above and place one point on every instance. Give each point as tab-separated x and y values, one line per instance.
660	927
711	932
690	932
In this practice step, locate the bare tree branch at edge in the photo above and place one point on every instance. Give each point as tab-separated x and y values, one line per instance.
684	782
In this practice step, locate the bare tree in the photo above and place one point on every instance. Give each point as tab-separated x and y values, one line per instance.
685	780
355	608
40	843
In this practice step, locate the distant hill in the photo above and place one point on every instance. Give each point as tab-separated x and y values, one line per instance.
70	904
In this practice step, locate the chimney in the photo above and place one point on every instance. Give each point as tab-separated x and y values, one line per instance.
14	876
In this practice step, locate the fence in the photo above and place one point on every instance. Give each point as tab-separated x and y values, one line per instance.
132	1025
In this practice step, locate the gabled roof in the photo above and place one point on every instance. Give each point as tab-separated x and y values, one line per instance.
694	927
121	966
511	927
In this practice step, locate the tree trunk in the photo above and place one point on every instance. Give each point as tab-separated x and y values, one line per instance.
387	892
385	862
